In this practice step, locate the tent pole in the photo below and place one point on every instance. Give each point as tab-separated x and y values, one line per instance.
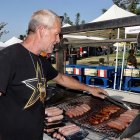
116	65
123	64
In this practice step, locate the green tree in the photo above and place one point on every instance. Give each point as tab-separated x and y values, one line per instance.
121	3
2	32
138	11
77	20
67	19
104	10
83	22
130	5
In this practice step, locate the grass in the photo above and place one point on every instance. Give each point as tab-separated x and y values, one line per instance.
94	60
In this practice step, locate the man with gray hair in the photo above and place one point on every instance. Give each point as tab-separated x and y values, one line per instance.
23	78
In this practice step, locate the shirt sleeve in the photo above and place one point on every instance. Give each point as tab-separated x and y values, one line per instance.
5	69
49	70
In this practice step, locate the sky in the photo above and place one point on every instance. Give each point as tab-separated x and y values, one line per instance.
17	13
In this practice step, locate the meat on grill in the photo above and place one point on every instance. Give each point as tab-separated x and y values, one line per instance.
65	131
69	129
117	124
123	120
53	111
103	115
78	110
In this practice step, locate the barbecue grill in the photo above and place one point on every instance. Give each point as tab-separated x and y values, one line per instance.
96	105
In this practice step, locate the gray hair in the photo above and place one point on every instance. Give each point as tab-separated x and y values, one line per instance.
42	17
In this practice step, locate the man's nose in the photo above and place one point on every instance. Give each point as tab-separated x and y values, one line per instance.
58	39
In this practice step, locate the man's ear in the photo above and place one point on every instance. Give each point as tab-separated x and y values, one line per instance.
42	31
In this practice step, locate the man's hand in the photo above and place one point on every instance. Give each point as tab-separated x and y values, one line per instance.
95	91
0	93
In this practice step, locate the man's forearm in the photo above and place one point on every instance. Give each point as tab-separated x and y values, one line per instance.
71	83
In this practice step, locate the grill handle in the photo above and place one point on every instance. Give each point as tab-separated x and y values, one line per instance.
116	101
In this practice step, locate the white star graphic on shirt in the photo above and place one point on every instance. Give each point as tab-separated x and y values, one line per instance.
38	86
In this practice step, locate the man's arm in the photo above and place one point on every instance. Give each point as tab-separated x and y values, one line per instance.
0	93
71	83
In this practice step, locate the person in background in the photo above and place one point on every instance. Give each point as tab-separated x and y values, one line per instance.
23	78
131	60
101	61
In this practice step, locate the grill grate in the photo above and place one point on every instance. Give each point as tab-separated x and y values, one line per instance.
96	105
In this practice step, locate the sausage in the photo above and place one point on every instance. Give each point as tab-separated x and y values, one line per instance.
78	110
124	119
74	112
52	123
70	131
131	113
58	136
134	111
127	116
55	118
85	107
64	127
49	130
116	125
71	113
50	108
54	135
53	111
68	128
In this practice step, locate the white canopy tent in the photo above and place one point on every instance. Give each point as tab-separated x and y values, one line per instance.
12	40
66	25
80	36
83	37
113	12
2	45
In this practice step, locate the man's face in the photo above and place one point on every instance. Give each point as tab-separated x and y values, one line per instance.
51	37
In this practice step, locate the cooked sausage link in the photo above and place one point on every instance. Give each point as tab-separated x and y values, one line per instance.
71	131
116	125
61	129
54	135
53	111
55	118
49	130
127	116
78	110
125	119
58	136
50	108
68	128
133	111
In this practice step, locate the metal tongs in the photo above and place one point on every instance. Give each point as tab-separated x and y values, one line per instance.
116	101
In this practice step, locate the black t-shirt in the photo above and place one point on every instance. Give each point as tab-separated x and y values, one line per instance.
21	109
